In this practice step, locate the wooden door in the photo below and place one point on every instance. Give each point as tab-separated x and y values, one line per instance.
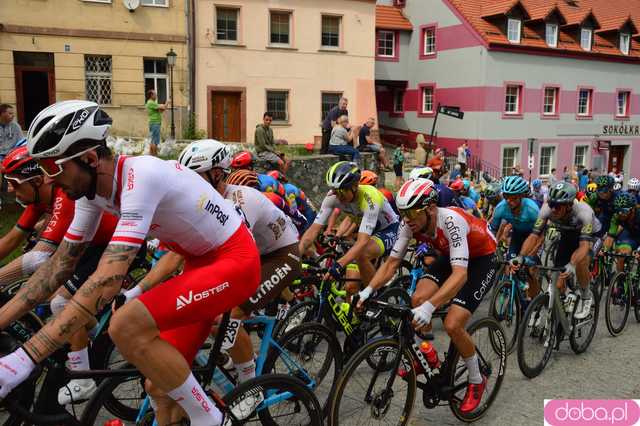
616	157
226	117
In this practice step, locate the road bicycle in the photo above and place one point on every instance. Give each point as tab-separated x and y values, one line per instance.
371	389
623	293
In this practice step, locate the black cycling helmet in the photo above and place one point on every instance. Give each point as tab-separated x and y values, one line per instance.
562	193
343	174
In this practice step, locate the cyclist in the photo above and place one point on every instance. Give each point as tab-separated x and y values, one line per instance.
469	191
267	183
493	196
577	225
602	201
161	331
446	196
242	160
590	192
463	270
633	187
363	204
539	192
371	178
625	226
467	203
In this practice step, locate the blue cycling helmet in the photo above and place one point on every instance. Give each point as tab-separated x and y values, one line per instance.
514	185
466	183
537	184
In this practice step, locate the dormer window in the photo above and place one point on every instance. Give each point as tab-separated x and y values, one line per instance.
625	42
513	30
551	35
586	37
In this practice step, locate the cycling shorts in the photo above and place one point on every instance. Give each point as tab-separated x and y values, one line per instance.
517	239
568	243
626	239
386	238
481	274
279	269
185	307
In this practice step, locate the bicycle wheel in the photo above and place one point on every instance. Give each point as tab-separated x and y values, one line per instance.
362	396
491	349
312	352
121	388
536	337
636	299
616	308
550	253
286	401
298	314
505	308
584	330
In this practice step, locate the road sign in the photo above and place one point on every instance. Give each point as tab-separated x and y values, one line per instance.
452	112
531	162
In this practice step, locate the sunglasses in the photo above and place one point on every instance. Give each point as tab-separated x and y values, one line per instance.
411	213
18	181
624	211
553	205
513	197
53	168
342	192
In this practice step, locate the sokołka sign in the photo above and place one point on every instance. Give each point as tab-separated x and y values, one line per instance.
620	130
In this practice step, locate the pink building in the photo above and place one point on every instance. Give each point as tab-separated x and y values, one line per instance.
563	73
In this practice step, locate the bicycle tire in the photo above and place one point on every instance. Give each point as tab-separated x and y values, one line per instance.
505	318
295	318
333	357
577	347
362	356
283	383
548	332
550	254
102	396
617	296
497	343
636	305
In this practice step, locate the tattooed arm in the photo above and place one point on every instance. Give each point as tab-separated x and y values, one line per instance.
94	294
44	282
167	265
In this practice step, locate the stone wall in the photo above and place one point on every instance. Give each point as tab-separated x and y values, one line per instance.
308	173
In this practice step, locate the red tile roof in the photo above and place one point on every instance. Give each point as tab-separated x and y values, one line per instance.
487	18
391	18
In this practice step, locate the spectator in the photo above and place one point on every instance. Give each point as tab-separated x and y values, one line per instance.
10	131
617	176
584	179
553	178
342	138
366	143
462	157
265	145
398	165
566	176
437	163
154	110
420	154
574	173
517	170
330	121
455	173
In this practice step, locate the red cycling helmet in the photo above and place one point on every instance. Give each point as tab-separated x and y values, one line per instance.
457	185
277	200
19	163
277	175
242	160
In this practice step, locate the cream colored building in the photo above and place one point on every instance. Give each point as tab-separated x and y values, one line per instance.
53	50
294	58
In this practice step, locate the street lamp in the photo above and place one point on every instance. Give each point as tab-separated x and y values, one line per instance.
171	61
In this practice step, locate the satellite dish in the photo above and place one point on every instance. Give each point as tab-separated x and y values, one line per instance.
131	5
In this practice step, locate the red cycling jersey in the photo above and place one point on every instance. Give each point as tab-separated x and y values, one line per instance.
61	211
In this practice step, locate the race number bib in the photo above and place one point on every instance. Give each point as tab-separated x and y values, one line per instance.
231	334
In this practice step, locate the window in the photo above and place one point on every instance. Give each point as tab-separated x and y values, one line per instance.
398	101
98	79
155	78
550	101
278	105
279	27
546	159
551	35
164	3
400	3
513	30
429	41
386	44
509	159
329	100
226	24
584	102
512	99
331	31
625	42
427	100
580	159
97	1
622	109
585	38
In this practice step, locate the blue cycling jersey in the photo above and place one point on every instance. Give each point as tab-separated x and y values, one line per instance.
523	223
474	195
298	199
446	196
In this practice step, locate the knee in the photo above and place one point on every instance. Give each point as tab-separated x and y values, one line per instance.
127	326
453	326
417	300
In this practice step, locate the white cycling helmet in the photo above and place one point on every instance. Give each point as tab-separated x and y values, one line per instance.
634	184
415	194
206	154
59	126
421	172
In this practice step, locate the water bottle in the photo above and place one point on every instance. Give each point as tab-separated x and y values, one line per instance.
220	379
570	302
114	422
430	354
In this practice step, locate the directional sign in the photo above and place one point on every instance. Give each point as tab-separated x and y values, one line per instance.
451	112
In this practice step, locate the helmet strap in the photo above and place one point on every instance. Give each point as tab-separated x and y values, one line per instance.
93	173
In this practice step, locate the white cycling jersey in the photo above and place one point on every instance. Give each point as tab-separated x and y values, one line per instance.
271	228
162	199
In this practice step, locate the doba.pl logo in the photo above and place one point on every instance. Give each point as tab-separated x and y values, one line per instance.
599	412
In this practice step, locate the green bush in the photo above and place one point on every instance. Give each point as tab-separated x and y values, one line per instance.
190	131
